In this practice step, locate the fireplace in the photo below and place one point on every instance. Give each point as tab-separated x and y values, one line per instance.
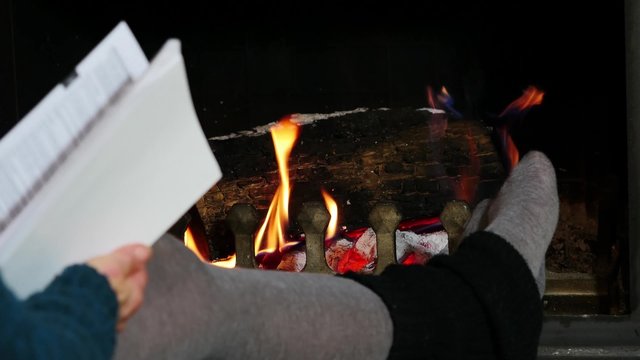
422	162
249	65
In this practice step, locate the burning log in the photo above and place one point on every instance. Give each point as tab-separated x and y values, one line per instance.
417	162
390	170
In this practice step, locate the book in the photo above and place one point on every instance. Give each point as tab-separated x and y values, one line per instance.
113	155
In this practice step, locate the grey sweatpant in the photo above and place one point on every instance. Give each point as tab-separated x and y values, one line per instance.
197	311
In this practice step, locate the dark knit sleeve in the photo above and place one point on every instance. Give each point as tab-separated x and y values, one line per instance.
73	318
480	303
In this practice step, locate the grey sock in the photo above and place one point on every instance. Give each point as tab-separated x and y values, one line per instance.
541	279
478	220
197	311
525	212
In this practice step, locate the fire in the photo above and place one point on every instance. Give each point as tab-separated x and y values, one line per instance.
191	236
531	97
509	147
430	98
272	233
442	101
332	207
444	96
191	244
466	185
228	263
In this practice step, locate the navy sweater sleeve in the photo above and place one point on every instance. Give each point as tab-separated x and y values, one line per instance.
73	318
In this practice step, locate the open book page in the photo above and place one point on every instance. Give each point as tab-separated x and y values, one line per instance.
33	149
141	166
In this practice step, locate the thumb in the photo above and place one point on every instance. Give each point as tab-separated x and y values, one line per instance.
130	258
122	261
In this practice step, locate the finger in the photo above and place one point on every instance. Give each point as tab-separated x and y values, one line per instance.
141	252
132	257
133	303
122	260
140	278
137	284
122	291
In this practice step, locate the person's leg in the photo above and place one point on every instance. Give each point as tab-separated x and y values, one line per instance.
525	212
483	300
196	311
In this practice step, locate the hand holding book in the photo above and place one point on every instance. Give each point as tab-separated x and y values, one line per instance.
120	173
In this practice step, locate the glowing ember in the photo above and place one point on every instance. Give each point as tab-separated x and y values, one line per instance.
332	207
411	259
421	226
272	233
352	260
360	256
354	234
531	97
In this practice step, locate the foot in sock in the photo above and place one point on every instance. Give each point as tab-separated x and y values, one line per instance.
525	212
478	222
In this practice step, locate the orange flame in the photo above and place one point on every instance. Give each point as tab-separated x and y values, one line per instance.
442	97
332	207
228	263
284	135
531	97
509	147
191	244
444	92
430	98
465	188
442	101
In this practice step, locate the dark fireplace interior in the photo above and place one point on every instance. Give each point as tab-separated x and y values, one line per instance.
252	64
